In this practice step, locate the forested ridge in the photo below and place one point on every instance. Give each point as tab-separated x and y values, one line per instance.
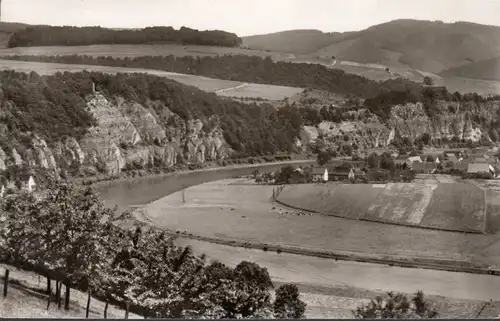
54	107
82	36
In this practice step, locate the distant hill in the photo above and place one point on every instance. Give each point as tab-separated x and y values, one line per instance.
485	69
6	31
293	41
431	46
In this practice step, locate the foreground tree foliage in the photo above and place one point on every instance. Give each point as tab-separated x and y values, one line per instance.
82	36
397	306
68	236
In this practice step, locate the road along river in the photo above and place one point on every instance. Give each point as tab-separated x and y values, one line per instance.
296	268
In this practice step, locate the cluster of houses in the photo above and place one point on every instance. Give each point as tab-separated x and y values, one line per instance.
29	186
457	161
338	170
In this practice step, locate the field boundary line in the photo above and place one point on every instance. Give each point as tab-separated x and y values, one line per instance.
375	221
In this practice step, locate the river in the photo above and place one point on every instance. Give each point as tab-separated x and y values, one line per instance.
296	268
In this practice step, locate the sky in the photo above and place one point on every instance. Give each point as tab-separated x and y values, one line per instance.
247	17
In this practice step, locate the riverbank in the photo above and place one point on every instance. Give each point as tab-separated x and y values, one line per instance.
100	181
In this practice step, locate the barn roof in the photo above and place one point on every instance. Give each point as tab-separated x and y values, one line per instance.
318	170
478	168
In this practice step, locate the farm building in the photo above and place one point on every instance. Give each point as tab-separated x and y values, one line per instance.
319	174
452	157
414	159
424	168
481	168
461	166
297	176
342	172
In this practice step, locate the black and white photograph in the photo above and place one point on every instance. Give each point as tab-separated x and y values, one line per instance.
237	159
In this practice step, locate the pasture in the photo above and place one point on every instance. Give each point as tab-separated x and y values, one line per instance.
448	206
349	201
203	83
456	206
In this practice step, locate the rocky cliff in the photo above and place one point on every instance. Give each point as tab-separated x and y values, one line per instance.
126	134
446	120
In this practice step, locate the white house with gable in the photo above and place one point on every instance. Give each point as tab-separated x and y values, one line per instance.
31	185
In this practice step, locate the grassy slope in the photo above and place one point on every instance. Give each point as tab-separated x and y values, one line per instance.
486	69
26	299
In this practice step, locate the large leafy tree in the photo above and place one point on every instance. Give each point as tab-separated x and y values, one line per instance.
288	304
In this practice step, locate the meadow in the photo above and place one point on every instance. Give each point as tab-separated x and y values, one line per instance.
448	206
244	213
268	92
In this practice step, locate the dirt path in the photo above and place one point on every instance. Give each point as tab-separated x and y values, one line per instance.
232	88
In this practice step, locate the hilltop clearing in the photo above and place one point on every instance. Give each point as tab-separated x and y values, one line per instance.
431	46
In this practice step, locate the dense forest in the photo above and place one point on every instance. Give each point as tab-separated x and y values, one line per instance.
82	36
246	69
54	107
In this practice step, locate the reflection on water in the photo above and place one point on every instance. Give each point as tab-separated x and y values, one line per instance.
145	190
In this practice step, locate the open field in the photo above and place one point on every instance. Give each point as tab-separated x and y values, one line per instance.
371	71
332	289
204	83
140	50
244	213
457	206
446	206
331	199
400	203
27	299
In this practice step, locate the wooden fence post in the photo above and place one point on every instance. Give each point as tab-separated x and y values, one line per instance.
6	282
88	304
67	296
106	310
58	294
49	285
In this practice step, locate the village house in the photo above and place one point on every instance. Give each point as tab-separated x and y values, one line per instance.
342	172
481	168
412	160
30	185
319	174
462	166
297	176
424	168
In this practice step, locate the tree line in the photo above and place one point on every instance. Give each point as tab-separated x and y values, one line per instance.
83	36
379	96
239	68
70	237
